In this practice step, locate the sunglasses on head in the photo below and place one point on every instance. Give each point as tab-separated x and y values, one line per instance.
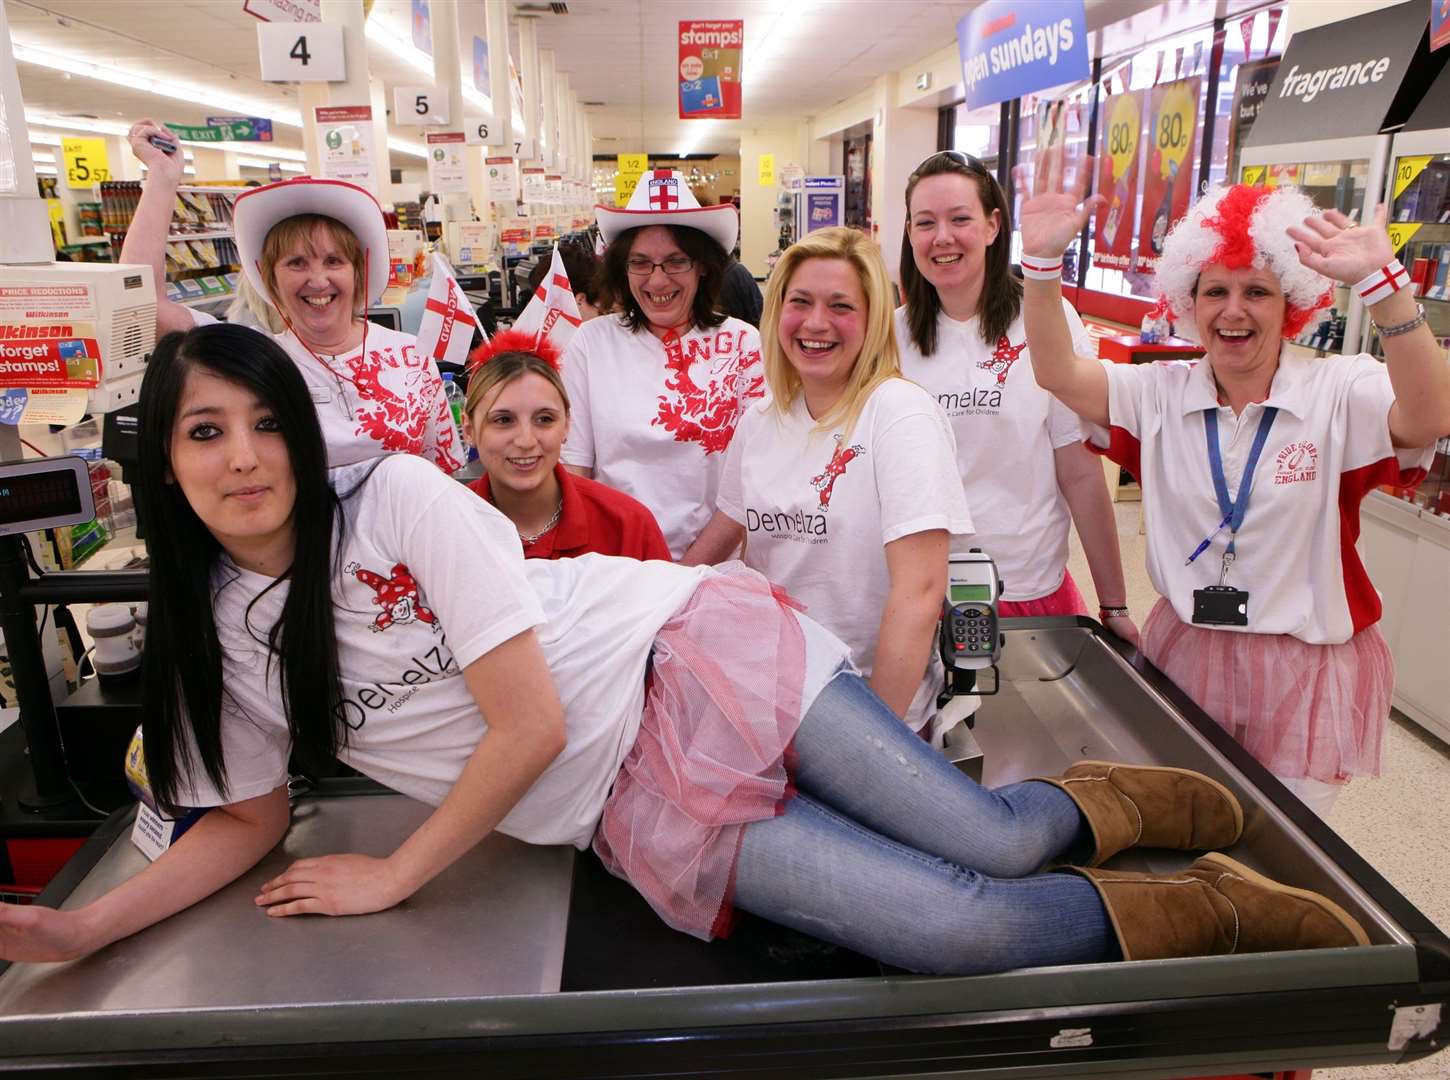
961	157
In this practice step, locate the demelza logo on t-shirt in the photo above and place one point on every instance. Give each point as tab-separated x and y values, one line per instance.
985	400
808	525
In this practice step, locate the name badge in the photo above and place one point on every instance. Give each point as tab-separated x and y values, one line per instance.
321	395
1220	605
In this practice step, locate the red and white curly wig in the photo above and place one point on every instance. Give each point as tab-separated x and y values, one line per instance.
1237	227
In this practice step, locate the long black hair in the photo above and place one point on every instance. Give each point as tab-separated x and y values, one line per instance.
710	261
182	687
1001	291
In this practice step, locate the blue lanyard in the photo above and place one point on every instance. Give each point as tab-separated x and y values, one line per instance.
1233	512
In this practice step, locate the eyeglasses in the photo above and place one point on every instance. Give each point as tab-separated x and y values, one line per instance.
961	157
674	265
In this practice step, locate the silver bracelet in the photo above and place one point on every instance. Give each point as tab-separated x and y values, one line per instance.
1113	612
1402	328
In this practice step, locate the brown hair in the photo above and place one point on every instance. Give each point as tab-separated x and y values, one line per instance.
710	261
295	234
503	369
1001	291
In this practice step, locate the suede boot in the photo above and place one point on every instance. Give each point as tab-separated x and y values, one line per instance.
1217	907
1150	806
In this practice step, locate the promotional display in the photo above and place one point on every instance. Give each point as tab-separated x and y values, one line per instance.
709	69
1118	180
503	178
1010	49
284	11
345	135
629	168
446	173
767	170
1439	24
1168	184
481	82
48	336
85	161
819	203
536	184
1250	90
422	27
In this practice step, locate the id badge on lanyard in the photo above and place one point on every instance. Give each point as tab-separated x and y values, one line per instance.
1222	604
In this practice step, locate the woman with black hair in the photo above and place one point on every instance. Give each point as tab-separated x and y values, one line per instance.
658	388
391	618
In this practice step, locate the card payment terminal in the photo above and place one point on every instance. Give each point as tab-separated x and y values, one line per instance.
970	639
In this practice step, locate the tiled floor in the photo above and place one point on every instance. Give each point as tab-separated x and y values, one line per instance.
1399	822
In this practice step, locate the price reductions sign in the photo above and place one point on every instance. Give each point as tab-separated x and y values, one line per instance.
1118	180
85	162
1168	185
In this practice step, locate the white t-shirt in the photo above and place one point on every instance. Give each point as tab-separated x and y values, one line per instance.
1007	428
818	510
433	578
653	420
1328	447
390	401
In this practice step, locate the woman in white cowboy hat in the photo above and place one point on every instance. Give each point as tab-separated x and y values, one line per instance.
318	251
657	389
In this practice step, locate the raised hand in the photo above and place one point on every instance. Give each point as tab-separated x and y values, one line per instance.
333	885
1053	214
159	164
1337	247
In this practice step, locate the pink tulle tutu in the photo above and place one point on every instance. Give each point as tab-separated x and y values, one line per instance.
1302	710
723	705
1066	600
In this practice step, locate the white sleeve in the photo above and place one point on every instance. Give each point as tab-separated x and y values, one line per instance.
914	456
579	446
464	554
254	759
730	498
199	317
1369	396
1063	426
1129	387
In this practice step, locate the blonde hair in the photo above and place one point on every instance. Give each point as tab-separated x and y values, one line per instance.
878	360
295	234
251	308
503	369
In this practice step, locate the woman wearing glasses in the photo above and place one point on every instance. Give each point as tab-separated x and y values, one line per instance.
1019	450
657	389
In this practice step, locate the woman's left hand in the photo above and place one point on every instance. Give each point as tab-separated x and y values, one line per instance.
1124	627
1336	247
333	885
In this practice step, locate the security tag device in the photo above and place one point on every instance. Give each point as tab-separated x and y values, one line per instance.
166	146
1220	605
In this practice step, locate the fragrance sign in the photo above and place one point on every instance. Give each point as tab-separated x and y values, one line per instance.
709	69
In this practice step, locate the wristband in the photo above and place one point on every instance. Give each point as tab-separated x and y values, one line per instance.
1386	281
1113	612
1041	269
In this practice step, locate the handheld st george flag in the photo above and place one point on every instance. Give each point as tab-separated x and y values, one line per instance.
446	329
553	312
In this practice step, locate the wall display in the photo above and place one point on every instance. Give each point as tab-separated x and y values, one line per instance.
1010	49
345	138
446	172
535	184
301	52
709	69
85	161
284	11
503	178
1118	179
1168	183
1251	88
420	105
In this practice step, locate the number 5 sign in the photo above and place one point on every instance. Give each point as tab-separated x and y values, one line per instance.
419	105
301	52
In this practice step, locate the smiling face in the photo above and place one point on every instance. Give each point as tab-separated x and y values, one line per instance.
1239	315
230	460
822	325
950	231
519	429
667	300
316	287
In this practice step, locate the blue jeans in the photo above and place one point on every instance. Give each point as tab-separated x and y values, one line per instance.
891	851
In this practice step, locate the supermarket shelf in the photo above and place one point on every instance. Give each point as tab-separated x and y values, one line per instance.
87	240
217	234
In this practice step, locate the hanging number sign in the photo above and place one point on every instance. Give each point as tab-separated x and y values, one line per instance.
482	131
420	105
301	52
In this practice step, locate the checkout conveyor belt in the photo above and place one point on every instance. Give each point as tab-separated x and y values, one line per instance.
524	961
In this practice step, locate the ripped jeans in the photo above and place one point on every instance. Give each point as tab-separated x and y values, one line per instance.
891	851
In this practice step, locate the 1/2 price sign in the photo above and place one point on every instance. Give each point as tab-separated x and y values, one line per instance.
86	162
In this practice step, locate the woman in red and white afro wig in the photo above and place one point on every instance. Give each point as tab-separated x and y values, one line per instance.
1294	666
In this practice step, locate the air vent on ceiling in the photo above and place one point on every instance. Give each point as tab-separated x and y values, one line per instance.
591	103
558	7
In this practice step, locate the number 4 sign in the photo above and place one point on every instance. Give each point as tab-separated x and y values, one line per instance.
301	52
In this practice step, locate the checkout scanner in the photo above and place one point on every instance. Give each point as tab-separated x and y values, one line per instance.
521	961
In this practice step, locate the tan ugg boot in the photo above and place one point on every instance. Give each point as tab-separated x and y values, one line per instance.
1216	907
1150	806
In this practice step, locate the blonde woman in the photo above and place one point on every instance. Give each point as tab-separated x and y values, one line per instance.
844	486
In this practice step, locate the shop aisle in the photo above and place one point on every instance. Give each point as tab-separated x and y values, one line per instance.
1396	822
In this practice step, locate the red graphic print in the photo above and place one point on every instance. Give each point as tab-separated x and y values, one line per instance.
835	468
663	191
394	415
1003	358
1297	462
397	595
707	415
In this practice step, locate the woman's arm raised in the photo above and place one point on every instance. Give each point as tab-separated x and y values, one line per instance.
145	242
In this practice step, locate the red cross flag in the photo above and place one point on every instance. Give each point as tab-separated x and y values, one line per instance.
664	190
446	330
553	312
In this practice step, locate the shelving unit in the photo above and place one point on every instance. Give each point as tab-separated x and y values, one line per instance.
200	245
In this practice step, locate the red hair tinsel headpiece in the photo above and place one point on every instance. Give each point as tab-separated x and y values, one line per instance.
515	341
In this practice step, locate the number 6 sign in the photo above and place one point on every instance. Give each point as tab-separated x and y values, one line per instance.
301	52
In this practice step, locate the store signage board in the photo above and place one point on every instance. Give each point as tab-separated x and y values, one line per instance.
345	138
482	131
535	184
285	11
243	128
1118	180
301	52
48	336
446	172
502	179
85	161
1011	48
628	169
420	105
1342	79
709	69
1433	112
1251	90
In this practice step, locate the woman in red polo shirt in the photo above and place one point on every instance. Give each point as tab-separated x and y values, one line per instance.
517	414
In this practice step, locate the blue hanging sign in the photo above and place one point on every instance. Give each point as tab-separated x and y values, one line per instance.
1010	48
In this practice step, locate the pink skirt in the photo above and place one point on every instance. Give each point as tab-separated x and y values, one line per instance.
723	705
1067	600
1302	710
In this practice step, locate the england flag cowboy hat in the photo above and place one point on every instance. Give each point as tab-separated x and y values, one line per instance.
662	197
258	209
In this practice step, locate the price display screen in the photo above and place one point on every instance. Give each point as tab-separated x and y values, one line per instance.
41	494
966	594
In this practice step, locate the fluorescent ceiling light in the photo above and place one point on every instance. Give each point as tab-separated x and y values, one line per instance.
75	65
400	44
97	127
259	163
698	132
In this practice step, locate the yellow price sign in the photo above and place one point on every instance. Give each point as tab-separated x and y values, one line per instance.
1407	169
767	170
1253	175
624	185
85	161
1400	233
1125	123
632	164
1173	131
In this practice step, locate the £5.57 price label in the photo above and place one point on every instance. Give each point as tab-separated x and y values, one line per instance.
85	162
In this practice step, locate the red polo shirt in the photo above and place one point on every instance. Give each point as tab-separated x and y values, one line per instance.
596	518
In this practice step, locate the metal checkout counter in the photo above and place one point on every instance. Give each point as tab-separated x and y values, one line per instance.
525	961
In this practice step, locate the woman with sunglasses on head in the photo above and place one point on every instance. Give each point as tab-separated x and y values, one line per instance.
1020	452
734	780
657	388
1253	461
318	251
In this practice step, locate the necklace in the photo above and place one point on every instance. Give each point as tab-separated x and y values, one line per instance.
527	540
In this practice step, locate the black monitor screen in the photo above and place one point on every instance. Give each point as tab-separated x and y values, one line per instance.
39	495
390	317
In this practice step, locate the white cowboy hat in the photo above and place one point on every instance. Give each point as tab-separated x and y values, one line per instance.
662	197
258	209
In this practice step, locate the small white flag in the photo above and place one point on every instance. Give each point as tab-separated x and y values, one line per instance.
446	329
553	313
